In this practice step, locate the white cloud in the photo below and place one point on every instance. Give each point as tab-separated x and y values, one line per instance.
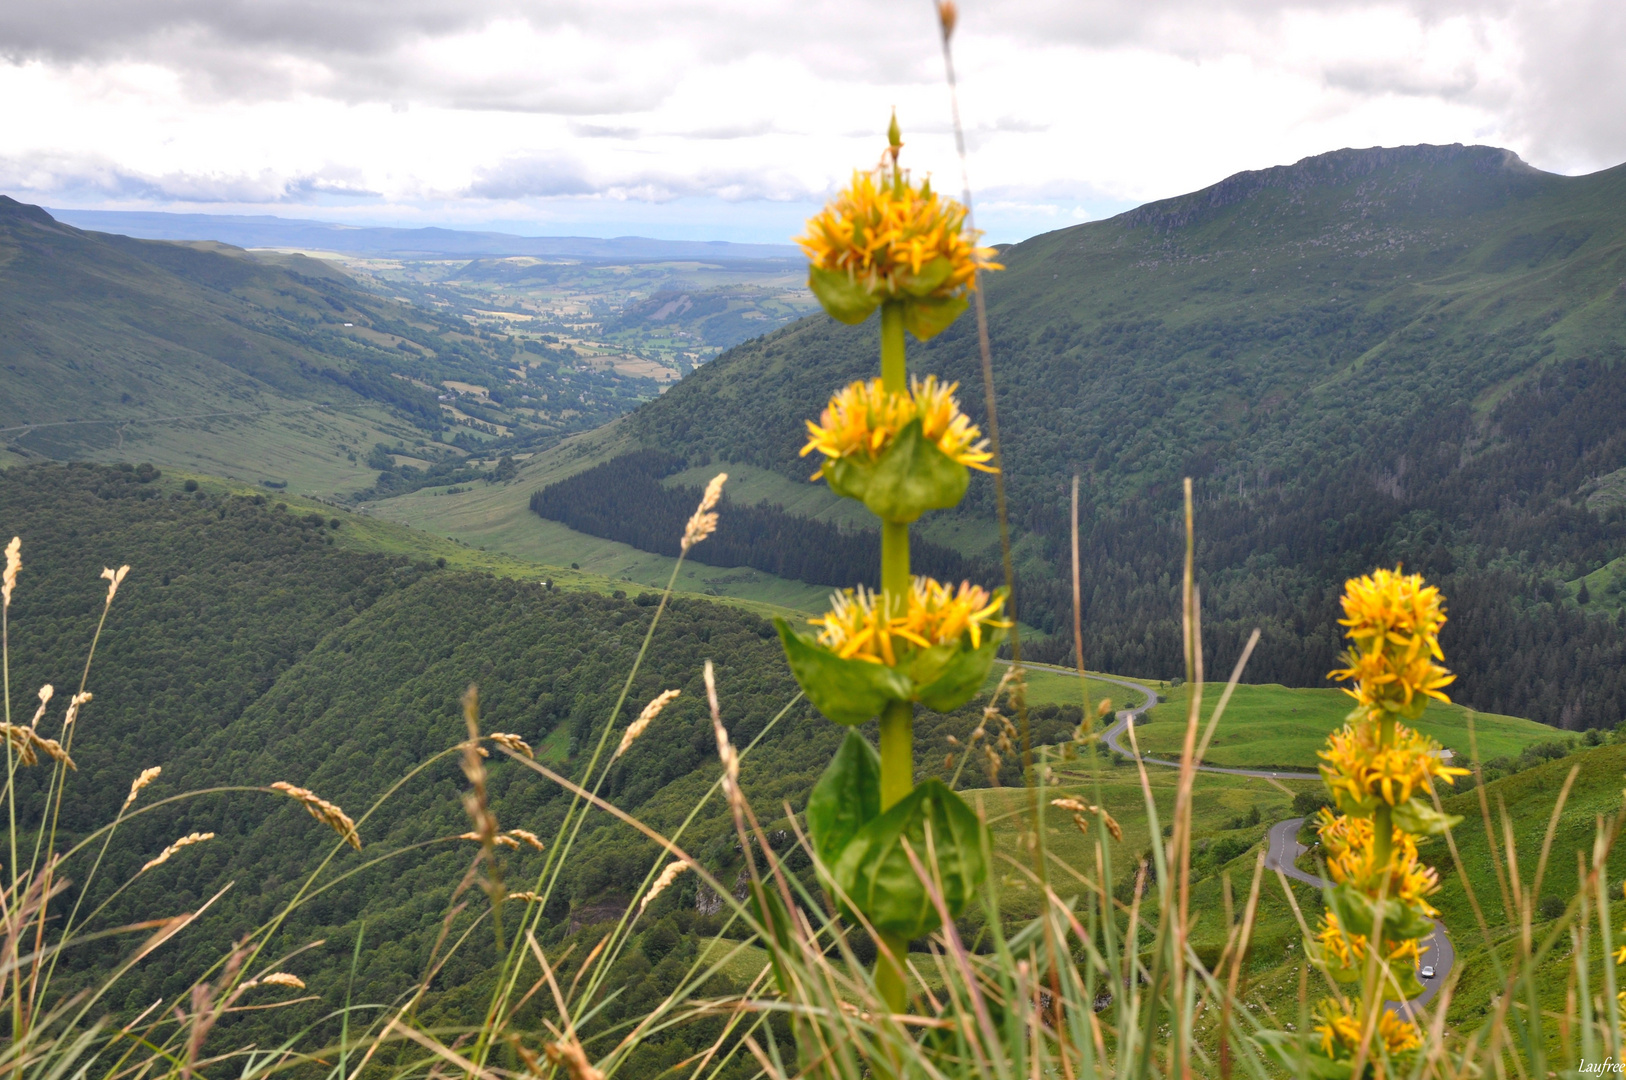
540	113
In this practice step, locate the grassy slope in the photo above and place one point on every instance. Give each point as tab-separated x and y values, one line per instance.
1278	726
367	533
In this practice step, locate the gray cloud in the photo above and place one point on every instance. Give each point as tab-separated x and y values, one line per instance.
528	177
77	175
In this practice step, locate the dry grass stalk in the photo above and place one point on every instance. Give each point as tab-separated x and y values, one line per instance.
725	750
568	1053
29	744
704	520
668	875
14	563
322	810
1079	809
645	718
147	776
513	744
185	841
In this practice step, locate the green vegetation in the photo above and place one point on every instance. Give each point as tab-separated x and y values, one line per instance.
1435	387
1278	727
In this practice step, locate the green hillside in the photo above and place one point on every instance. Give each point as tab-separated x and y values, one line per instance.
1369	357
266	367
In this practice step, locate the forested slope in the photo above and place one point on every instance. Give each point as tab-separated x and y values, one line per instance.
110	344
246	648
1369	357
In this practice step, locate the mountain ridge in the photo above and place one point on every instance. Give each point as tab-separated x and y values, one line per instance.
269	231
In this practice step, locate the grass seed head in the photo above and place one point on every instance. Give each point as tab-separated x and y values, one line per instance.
113	578
645	718
185	841
327	813
14	563
704	520
668	875
279	978
45	697
513	744
147	776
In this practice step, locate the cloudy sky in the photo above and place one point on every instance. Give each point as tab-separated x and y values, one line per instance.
731	119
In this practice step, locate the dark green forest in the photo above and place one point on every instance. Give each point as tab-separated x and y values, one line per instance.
1370	357
623	499
246	647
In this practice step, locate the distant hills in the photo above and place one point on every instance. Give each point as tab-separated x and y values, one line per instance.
268	367
1372	356
265	231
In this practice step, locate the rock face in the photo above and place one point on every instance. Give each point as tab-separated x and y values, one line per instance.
1406	173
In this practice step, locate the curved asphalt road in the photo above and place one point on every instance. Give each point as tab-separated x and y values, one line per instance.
1283	851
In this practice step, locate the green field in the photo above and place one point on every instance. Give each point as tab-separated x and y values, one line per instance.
1275	726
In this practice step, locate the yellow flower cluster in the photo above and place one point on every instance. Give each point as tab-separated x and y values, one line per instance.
883	231
1348	949
861	624
1359	766
1347	842
863	419
1393	623
1341	1032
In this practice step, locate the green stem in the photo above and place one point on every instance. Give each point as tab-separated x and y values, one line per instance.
1383	816
897	722
893	375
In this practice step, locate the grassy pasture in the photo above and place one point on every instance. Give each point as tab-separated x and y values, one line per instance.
1270	725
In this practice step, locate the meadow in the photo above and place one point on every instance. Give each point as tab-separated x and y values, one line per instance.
1269	726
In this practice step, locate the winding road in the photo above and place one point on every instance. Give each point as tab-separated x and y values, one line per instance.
1283	850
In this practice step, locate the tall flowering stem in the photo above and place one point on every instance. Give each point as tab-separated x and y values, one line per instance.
901	449
1378	771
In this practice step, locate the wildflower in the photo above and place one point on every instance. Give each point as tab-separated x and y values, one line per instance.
886	239
704	520
1351	857
113	578
512	743
185	841
645	718
327	813
14	563
1346	949
668	875
147	776
858	625
863	419
1359	766
1394	623
277	978
1341	1030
